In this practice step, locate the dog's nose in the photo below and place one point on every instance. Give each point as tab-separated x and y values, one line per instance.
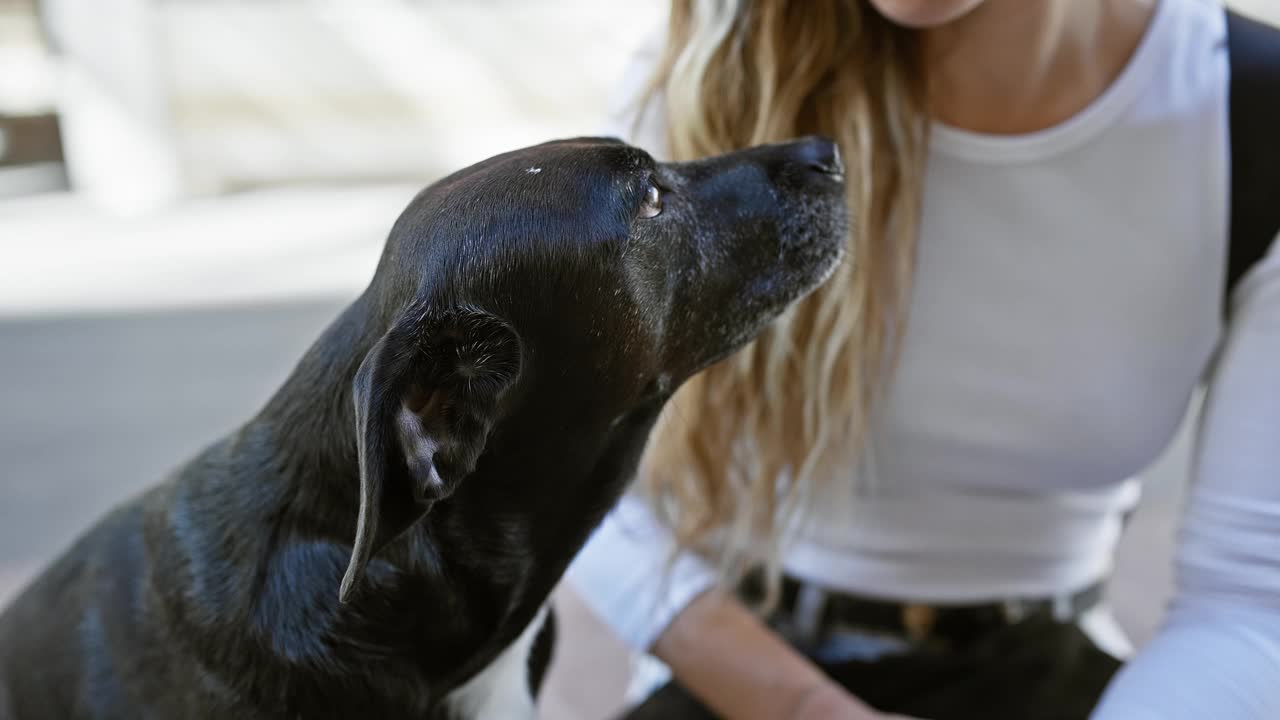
820	154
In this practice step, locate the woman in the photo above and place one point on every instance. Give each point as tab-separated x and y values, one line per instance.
931	457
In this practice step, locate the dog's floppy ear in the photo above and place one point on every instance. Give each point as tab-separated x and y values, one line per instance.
426	397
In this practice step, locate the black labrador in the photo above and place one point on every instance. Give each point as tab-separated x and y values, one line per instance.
381	539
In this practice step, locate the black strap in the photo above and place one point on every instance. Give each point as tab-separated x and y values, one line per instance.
1253	49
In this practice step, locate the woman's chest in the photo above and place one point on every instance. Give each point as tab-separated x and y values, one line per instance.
1057	328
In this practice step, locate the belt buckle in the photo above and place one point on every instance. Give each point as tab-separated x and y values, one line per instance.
1014	610
806	616
918	621
1062	607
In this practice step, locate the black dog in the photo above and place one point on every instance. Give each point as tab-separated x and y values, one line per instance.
468	421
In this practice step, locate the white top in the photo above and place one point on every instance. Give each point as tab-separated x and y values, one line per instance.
1067	303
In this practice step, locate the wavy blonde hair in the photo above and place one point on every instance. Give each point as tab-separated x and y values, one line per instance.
742	443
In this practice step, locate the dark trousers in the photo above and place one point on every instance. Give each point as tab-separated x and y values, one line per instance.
1035	670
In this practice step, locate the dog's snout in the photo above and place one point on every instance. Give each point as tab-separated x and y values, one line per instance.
820	155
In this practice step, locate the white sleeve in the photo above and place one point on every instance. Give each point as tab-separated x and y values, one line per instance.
625	574
1217	654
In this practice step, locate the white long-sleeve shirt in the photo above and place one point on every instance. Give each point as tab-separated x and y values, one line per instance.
1067	304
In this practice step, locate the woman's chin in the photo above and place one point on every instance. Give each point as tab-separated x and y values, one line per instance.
923	14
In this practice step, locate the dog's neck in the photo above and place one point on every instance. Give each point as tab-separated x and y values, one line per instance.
311	418
483	560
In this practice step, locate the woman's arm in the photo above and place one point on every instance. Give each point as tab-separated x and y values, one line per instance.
715	647
1218	652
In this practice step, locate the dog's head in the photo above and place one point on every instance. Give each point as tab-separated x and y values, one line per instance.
581	272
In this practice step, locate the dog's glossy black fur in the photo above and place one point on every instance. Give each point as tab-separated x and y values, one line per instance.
467	421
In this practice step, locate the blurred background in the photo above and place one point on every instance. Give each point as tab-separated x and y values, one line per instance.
191	189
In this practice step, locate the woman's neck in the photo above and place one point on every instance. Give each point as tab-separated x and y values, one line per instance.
1018	66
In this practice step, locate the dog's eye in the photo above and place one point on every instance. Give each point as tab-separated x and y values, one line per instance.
652	205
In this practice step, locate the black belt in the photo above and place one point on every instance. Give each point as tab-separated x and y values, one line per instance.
810	612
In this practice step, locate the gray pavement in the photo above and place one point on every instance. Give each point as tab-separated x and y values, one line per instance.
92	409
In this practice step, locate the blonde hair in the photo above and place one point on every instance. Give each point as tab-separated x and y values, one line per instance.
742	443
